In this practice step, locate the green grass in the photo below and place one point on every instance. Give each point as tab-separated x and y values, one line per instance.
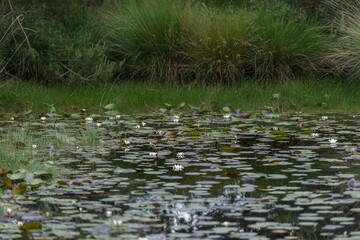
146	34
213	45
307	95
347	32
286	46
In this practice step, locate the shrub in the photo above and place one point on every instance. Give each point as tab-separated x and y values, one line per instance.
347	33
286	46
218	46
147	35
62	48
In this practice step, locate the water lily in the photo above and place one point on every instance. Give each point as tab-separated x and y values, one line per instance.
34	146
180	155
352	183
9	211
108	213
153	154
176	118
12	118
137	126
351	150
19	224
314	134
160	132
43	118
143	124
324	118
118	116
227	116
89	119
117	222
178	167
98	124
333	141
126	142
226	224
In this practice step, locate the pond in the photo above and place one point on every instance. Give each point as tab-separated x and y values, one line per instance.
189	176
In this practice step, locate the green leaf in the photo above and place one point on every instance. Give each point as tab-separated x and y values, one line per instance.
17	176
112	112
278	132
110	106
226	109
35	181
52	109
276	96
226	149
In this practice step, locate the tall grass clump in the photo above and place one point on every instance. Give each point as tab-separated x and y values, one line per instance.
218	46
347	33
285	45
146	35
191	41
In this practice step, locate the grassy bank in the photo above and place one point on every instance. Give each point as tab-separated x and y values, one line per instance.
306	95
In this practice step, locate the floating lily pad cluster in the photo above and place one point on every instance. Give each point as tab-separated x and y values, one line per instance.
199	176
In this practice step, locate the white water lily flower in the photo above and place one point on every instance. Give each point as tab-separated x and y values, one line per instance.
227	116
176	118
314	134
180	155
127	142
143	124
98	124
160	132
34	146
12	118
153	154
43	118
19	224
324	118
9	210
89	119
333	141
108	213
178	167
117	222
137	126
118	116
226	224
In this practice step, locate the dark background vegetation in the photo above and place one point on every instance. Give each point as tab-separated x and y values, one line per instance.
209	41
